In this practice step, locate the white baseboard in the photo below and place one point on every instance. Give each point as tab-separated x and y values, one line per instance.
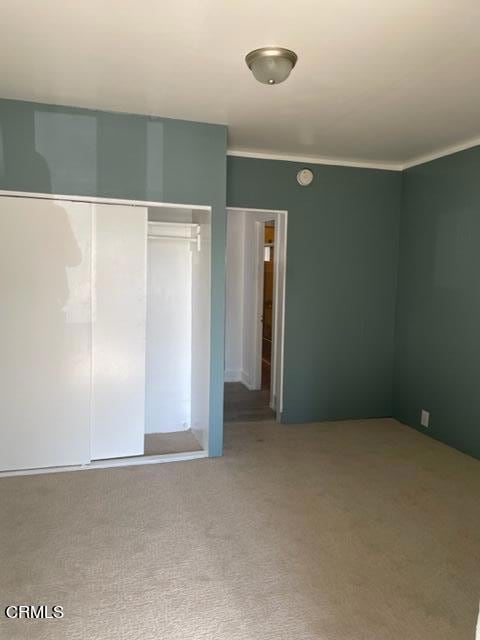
245	379
238	376
230	375
201	434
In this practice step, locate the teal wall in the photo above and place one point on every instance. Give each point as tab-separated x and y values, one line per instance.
344	252
437	363
74	151
340	285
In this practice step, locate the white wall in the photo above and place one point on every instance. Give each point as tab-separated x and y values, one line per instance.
235	264
169	332
170	214
250	354
201	301
241	294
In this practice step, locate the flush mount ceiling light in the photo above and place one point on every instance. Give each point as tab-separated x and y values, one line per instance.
271	65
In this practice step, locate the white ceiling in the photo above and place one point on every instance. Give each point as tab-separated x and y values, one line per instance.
377	81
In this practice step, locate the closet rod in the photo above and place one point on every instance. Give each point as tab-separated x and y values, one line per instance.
197	239
154	237
172	224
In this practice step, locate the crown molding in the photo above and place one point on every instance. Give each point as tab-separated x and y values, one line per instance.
359	164
446	151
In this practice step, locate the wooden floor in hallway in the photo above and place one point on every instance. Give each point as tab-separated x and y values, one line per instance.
243	405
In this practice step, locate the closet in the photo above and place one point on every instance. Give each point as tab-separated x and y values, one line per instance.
178	326
104	330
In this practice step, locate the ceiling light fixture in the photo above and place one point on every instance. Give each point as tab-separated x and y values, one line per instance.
271	65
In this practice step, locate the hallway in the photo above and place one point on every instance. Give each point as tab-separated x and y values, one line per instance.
243	405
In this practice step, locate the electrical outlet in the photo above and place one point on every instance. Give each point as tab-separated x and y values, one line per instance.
425	418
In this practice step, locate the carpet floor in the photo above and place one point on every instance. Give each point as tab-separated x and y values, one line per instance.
173	442
361	530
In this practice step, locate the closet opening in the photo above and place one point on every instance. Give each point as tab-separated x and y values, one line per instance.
177	331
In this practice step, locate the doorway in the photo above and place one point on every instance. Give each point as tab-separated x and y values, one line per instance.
267	304
254	320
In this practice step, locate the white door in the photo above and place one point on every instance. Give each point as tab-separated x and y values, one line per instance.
119	317
45	333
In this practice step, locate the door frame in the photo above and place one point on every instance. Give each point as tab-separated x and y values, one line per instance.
253	381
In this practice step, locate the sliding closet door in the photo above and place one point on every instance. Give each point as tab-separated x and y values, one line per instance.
45	337
119	316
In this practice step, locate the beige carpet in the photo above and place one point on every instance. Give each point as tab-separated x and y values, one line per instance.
360	530
173	442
